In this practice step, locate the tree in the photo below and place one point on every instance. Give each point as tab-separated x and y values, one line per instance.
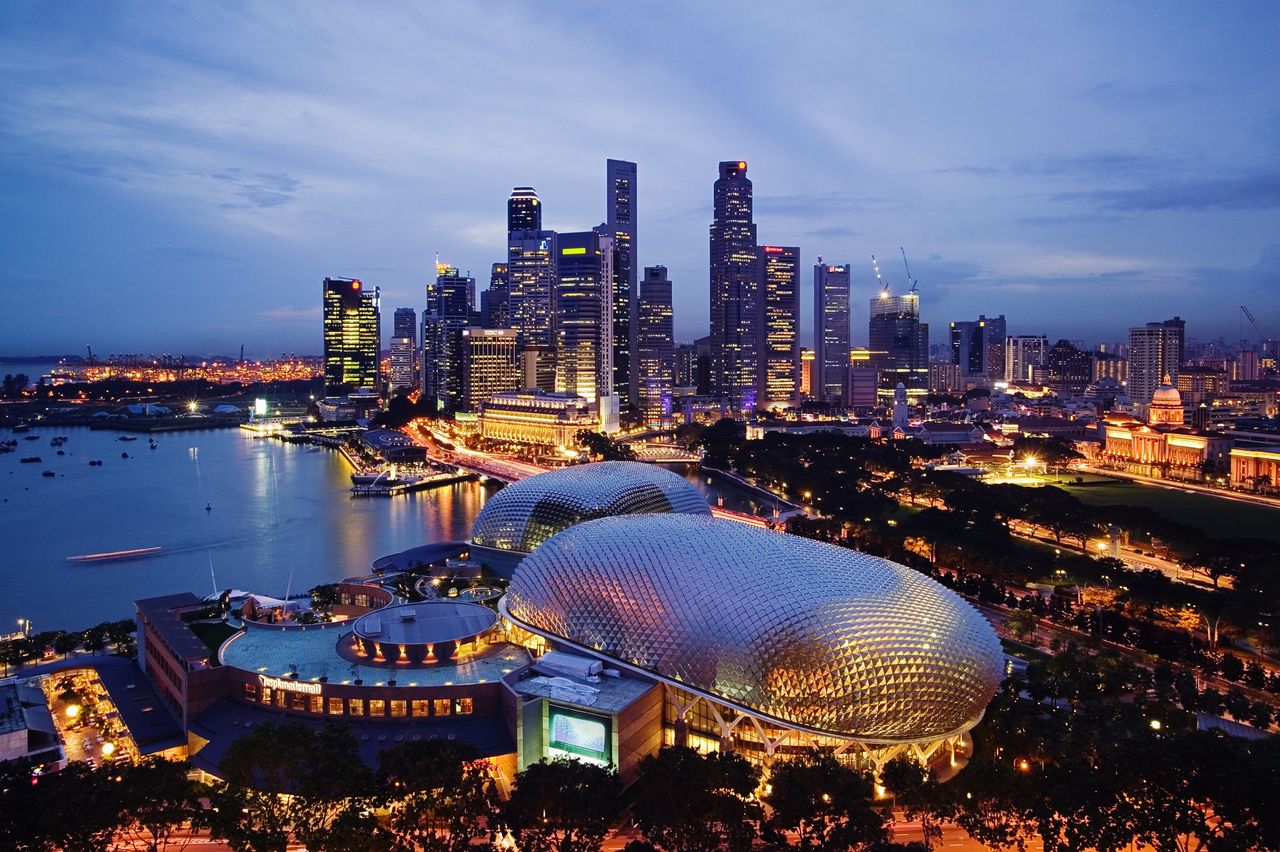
916	790
158	800
562	806
829	805
441	798
603	448
75	810
1022	624
685	801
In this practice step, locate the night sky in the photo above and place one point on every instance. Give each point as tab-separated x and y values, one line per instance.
180	177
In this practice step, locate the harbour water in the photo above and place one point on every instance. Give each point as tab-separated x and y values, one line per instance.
281	519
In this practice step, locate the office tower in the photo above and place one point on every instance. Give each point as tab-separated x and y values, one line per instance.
352	336
780	291
493	302
946	377
995	332
448	312
1068	367
621	227
861	381
1155	351
1107	366
404	349
531	277
900	343
584	314
806	372
490	364
831	326
735	291
1023	355
1246	366
524	211
686	371
655	356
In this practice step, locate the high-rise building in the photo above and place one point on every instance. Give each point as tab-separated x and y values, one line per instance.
655	357
1068	367
490	364
736	310
780	347
404	349
901	343
524	210
996	331
493	302
831	328
1155	351
1107	366
1023	355
531	277
806	372
584	314
352	336
621	227
977	346
448	312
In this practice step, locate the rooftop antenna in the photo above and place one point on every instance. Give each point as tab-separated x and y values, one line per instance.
911	280
884	288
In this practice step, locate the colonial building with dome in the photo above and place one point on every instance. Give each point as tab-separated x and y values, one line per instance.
1163	446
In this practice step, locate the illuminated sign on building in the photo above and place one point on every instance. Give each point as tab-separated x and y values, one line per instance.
289	685
578	734
260	408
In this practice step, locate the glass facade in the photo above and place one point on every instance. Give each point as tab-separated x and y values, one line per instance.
736	309
621	225
525	514
584	314
352	336
780	372
654	350
803	633
831	332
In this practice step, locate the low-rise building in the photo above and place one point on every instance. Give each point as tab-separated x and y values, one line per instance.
536	417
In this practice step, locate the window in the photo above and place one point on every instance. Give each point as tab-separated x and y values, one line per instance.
297	701
280	698
356	706
266	695
462	706
335	706
398	708
420	707
442	706
250	692
377	707
317	704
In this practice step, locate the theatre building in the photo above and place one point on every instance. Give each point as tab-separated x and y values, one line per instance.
599	613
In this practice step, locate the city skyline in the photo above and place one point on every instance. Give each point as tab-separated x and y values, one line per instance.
1149	183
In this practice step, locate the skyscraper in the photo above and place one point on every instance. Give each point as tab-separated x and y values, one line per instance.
584	314
831	329
490	364
900	343
448	312
493	302
995	334
655	355
1067	367
531	277
404	349
1155	351
1023	355
977	346
780	347
621	227
352	336
735	291
524	210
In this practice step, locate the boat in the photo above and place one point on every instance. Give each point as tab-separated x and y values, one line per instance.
48	473
124	455
31	438
57	442
208	507
21	427
95	463
115	554
127	438
32	460
62	452
154	445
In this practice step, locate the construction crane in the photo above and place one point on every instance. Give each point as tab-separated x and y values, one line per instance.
1263	333
90	350
910	280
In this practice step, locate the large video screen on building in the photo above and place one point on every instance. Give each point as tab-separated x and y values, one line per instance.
578	734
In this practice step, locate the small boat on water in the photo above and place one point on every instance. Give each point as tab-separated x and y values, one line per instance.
127	438
31	438
115	554
48	473
124	455
21	427
32	460
95	463
154	445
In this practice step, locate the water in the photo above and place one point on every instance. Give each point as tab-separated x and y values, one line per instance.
279	512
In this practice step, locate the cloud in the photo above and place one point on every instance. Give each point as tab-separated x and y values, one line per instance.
289	313
817	205
1256	192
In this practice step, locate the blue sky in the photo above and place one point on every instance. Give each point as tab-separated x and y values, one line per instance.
180	177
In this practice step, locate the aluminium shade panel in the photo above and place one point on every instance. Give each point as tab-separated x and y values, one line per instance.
809	634
526	513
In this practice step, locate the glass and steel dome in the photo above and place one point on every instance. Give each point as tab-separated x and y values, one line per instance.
809	634
523	515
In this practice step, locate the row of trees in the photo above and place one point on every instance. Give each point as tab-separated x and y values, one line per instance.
21	650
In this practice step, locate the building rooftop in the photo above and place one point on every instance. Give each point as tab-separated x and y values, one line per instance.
426	622
313	651
164	614
609	694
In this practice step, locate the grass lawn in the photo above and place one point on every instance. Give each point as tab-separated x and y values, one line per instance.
1218	517
213	634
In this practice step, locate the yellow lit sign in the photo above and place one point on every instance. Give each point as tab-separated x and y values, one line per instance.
574	250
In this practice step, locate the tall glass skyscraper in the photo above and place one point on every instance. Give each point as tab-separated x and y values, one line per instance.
494	311
621	227
403	349
736	309
524	210
584	314
352	336
780	289
448	313
655	346
832	324
531	278
900	343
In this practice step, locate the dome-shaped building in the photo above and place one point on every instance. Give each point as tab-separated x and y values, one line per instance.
1166	406
814	642
524	514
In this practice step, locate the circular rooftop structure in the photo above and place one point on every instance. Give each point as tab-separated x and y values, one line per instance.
813	636
416	633
525	514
